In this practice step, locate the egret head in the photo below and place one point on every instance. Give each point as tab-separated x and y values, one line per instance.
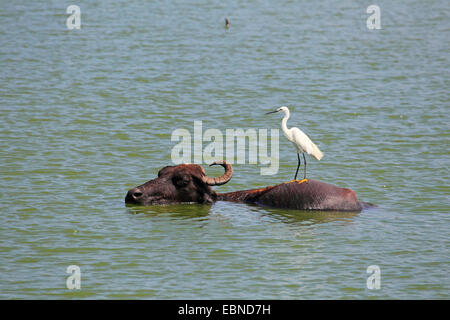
283	109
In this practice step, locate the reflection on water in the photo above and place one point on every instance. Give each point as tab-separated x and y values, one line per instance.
173	210
312	217
192	210
304	216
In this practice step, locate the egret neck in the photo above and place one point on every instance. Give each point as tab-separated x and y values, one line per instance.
284	124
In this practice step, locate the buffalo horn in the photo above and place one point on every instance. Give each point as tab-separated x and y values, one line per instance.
217	181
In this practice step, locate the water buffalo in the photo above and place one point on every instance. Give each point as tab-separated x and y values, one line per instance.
178	184
188	183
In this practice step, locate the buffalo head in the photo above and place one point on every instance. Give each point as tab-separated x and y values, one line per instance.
181	183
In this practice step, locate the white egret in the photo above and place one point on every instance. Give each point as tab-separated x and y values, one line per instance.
299	139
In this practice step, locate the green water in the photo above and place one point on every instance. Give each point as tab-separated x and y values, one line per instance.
87	114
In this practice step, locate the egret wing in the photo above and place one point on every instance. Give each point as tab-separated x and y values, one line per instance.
302	141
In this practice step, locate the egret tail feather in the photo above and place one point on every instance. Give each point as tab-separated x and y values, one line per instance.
316	152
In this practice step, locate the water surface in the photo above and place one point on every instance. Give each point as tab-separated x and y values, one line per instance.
87	114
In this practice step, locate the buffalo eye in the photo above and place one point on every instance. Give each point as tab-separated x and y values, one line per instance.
182	181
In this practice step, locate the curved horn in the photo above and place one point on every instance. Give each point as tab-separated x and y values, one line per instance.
223	178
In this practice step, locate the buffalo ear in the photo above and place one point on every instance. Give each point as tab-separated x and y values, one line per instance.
207	198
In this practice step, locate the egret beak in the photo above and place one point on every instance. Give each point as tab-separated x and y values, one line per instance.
271	112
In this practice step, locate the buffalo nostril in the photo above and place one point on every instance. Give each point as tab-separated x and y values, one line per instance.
137	194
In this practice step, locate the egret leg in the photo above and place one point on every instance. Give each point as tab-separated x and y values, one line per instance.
299	163
304	159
